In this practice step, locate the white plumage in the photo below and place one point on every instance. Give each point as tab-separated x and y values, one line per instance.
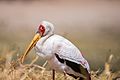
64	48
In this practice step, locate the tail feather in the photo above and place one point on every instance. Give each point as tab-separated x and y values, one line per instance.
85	73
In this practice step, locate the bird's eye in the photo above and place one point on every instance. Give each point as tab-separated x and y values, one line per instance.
42	29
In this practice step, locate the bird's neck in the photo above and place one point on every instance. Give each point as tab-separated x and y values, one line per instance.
46	37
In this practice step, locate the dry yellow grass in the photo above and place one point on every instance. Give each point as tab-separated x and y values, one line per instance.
14	70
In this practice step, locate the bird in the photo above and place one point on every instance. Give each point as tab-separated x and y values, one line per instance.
62	55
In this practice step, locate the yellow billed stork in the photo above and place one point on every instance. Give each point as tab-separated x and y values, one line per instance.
61	54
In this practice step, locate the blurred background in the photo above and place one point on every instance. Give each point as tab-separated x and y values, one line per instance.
93	26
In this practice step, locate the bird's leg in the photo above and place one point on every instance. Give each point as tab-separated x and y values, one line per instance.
65	77
53	74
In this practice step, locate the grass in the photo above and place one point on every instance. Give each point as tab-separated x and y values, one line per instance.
11	69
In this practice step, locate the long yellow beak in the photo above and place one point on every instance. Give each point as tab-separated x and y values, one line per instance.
31	45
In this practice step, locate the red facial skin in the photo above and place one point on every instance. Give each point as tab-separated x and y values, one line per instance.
41	30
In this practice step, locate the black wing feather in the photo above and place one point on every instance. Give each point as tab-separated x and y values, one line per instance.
76	67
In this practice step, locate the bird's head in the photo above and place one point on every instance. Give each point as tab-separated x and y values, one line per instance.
45	28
